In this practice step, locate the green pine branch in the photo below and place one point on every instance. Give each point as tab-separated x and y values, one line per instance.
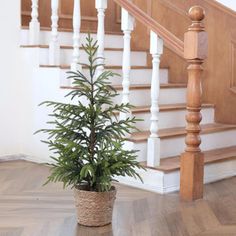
87	139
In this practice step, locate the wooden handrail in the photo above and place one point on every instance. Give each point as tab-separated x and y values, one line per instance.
170	40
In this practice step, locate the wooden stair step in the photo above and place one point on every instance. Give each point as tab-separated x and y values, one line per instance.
60	29
148	86
140	86
166	107
217	155
180	131
67	67
71	47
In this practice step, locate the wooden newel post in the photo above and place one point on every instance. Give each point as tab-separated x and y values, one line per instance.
192	160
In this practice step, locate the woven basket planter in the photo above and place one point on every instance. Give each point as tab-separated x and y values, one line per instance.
94	208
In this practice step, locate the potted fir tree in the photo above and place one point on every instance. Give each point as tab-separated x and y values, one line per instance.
87	141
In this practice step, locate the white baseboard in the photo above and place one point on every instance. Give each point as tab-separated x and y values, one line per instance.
6	158
22	157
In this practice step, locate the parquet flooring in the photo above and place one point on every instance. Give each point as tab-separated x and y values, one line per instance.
29	209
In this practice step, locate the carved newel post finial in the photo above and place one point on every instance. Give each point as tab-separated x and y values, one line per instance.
192	160
196	13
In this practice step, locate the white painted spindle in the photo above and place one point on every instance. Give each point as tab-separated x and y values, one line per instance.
54	47
101	6
127	26
34	26
76	37
153	152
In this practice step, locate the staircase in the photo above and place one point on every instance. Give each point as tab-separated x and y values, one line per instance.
161	140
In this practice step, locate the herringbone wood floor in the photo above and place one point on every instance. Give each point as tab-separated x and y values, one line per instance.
28	209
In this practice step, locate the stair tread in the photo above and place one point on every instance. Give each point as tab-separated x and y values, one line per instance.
148	86
65	67
60	29
216	155
140	86
167	107
71	47
180	131
111	67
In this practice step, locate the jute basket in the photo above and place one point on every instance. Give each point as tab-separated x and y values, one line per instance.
94	208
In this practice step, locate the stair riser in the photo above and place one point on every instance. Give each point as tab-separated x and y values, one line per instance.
136	96
142	76
212	172
65	38
111	57
161	182
169	119
167	96
176	145
137	76
143	97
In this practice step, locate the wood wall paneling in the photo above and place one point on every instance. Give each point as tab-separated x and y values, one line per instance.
165	12
220	68
140	36
233	66
220	25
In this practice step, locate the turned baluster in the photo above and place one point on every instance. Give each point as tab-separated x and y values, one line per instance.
101	6
54	47
76	37
34	26
153	149
192	160
127	26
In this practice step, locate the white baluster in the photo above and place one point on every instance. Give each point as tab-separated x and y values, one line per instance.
101	6
54	47
34	26
76	37
153	152
127	26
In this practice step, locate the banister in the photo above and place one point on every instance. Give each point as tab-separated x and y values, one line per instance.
170	40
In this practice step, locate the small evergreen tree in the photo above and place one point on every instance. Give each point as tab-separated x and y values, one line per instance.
87	138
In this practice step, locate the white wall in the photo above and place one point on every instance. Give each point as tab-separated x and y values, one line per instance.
10	76
229	3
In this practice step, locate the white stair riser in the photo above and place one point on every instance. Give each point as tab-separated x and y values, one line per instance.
143	76
142	97
65	38
179	92
152	180
111	57
175	146
169	119
160	182
137	76
138	98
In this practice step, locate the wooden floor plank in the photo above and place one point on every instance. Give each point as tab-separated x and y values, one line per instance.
29	209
